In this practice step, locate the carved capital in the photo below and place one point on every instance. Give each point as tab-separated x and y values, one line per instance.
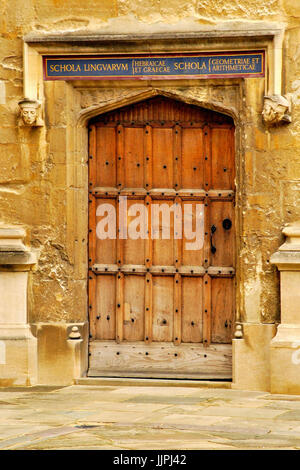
287	258
277	110
14	255
30	113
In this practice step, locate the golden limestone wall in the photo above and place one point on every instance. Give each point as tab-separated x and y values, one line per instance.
38	184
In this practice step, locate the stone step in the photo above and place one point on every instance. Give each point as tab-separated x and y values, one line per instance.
138	382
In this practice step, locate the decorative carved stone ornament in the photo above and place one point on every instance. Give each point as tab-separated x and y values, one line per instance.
30	113
277	110
75	333
238	334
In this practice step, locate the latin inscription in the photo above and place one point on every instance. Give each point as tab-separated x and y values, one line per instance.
190	66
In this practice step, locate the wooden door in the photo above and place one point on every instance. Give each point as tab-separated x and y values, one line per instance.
156	308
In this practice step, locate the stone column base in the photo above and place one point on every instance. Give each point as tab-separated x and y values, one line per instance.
251	357
18	346
284	349
18	356
285	360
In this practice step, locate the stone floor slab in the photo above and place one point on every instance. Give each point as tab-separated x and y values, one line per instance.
139	417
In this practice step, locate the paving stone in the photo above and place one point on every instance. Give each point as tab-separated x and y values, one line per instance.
293	415
260	413
119	417
165	399
183	420
160	391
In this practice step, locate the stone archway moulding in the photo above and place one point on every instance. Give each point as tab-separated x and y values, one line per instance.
135	96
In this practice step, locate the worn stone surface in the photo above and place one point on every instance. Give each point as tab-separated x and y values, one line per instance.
129	417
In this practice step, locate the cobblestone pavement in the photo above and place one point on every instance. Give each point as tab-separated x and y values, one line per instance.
152	417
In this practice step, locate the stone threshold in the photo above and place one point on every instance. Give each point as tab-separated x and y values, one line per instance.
138	382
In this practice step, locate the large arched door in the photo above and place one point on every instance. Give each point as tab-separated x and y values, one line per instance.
161	305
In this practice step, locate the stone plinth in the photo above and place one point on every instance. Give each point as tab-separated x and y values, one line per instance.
285	347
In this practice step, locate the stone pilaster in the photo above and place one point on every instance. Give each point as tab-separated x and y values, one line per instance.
18	347
285	347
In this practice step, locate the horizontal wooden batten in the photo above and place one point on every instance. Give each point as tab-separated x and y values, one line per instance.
214	271
163	193
160	360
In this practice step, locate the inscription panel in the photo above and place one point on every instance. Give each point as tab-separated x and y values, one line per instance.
172	66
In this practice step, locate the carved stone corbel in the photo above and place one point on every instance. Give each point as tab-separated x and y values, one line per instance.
276	110
30	113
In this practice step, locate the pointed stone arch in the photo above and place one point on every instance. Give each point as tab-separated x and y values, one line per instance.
202	99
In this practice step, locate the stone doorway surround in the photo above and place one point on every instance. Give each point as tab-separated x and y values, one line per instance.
67	107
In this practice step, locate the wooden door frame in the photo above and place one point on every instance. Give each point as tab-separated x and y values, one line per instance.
206	105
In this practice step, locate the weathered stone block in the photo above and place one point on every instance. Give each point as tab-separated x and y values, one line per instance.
59	359
251	357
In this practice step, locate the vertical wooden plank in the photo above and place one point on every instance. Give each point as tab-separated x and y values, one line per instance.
163	308
177	309
92	231
207	184
106	156
120	157
133	157
177	180
191	313
119	307
119	235
105	249
148	175
178	239
192	158
222	310
163	157
148	308
134	298
148	157
134	249
223	158
223	239
177	157
163	248
206	315
148	241
206	310
177	251
106	308
120	241
207	157
192	257
207	234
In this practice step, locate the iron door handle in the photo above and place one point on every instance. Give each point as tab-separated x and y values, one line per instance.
213	249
